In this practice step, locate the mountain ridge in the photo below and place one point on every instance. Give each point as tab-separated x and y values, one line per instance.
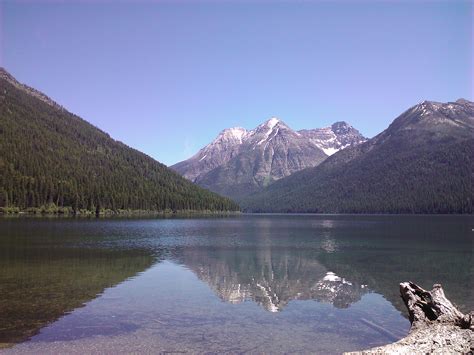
422	163
5	75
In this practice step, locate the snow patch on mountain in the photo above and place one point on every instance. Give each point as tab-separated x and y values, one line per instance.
329	151
270	125
238	133
332	139
231	134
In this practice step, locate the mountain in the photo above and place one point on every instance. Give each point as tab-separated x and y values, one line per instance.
50	157
422	163
240	162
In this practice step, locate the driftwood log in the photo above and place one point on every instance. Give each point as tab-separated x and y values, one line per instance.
437	326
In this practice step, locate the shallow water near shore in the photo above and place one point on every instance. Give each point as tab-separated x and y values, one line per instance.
248	283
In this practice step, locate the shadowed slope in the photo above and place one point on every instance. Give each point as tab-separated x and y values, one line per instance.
422	163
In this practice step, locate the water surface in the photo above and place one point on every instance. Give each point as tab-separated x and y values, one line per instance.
252	283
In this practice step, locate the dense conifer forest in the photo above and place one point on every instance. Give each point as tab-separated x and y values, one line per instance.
52	160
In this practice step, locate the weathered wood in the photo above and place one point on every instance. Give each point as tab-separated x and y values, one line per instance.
437	326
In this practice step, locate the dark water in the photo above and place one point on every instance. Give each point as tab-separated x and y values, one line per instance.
268	283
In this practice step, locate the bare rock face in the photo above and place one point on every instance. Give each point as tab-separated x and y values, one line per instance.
239	161
226	146
437	325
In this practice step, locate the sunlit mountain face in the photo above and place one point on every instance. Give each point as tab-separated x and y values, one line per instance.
271	277
239	162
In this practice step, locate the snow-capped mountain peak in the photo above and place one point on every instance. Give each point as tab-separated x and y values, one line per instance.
270	151
272	122
266	131
269	125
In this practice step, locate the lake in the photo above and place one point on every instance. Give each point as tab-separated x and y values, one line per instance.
249	283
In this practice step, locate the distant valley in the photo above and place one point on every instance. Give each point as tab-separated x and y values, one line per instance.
422	163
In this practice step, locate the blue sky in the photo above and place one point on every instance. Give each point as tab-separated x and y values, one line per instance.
165	77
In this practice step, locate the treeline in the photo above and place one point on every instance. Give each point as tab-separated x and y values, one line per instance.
50	157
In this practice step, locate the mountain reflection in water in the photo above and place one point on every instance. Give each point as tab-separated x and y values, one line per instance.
275	259
270	277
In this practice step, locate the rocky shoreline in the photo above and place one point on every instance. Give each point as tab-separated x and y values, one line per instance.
437	326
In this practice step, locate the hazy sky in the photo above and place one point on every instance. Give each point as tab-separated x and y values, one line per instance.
166	77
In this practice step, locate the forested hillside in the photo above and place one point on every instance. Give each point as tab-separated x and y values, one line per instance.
51	158
423	163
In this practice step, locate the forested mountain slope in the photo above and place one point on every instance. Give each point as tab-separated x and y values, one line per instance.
50	156
422	163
